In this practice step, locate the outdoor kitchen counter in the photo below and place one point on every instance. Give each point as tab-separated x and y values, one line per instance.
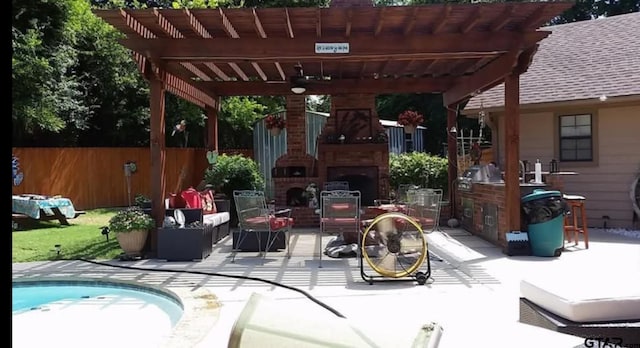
482	209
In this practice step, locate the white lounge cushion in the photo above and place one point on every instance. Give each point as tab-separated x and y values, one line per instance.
586	299
216	218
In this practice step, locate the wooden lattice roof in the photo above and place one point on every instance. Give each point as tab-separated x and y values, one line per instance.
444	48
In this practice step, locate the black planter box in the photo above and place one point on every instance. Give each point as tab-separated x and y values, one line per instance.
250	241
184	244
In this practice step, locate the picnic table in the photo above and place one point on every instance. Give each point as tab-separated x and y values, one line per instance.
43	208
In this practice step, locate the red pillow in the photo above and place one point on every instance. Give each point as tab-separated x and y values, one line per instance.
208	204
192	197
176	201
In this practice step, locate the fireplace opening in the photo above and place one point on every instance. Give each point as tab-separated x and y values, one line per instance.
363	179
296	197
367	186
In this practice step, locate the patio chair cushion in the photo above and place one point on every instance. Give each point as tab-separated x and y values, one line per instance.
341	206
339	221
275	222
584	299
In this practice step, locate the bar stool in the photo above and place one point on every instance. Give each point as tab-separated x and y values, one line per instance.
572	225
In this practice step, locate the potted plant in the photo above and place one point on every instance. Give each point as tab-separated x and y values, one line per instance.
142	201
410	120
131	226
275	124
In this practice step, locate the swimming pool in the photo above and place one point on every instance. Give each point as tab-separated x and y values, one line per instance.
91	313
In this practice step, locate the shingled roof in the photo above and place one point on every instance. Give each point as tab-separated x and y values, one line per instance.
581	60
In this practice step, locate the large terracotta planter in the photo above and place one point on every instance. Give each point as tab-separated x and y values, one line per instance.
275	131
132	242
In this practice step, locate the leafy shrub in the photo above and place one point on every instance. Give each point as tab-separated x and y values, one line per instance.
418	168
234	172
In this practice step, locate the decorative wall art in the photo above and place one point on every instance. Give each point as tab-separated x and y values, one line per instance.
354	124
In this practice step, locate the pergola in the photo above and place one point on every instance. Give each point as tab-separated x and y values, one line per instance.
458	50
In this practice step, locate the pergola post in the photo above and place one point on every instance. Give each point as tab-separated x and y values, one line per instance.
212	127
512	150
452	155
158	155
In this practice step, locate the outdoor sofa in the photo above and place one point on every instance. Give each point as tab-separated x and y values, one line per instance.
194	241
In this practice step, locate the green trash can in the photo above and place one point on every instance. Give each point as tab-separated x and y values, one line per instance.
543	213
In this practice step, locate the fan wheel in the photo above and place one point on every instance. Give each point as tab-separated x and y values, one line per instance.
394	245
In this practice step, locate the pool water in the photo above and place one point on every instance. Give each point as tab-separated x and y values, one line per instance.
91	316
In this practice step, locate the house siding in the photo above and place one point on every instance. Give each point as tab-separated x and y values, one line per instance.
607	186
605	182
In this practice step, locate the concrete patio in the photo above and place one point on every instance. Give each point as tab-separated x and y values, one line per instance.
473	292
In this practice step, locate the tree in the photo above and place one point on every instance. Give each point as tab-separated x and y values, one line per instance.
320	103
46	95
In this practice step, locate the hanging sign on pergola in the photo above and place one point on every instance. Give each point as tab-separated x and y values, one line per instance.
324	48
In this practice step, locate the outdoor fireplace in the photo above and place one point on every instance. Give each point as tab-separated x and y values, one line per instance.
363	179
362	158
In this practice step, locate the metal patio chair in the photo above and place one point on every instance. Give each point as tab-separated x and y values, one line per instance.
257	220
335	185
339	214
424	206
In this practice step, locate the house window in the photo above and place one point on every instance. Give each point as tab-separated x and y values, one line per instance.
576	138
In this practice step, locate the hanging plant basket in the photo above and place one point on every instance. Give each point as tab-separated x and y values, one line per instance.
409	129
275	131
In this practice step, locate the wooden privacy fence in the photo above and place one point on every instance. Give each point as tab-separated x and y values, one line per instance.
95	178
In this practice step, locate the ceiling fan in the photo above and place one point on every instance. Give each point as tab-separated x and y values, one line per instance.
299	81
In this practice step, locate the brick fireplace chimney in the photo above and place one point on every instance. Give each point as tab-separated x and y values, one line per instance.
296	124
295	169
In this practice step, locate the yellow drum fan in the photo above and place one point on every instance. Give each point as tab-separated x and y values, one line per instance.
394	246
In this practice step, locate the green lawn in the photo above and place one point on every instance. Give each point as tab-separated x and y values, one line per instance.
82	239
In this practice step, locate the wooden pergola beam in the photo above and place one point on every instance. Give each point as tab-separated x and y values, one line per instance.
216	70
355	85
411	22
196	25
227	26
258	24
471	21
318	23
276	48
484	78
289	28
168	28
347	28
280	71
502	19
442	19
